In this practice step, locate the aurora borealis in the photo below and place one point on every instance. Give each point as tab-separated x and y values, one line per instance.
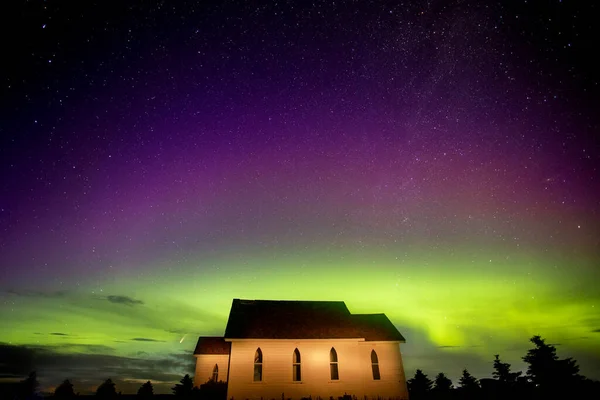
436	161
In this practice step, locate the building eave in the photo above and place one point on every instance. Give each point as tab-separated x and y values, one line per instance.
293	340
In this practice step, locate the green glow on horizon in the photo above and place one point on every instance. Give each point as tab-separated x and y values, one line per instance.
448	301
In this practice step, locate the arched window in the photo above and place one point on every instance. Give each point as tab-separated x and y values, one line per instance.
375	365
215	375
258	364
297	372
333	365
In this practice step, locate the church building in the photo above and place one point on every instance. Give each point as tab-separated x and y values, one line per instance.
295	349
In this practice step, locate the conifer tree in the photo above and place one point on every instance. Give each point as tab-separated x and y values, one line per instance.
183	390
64	391
146	391
442	382
107	390
419	387
507	380
442	386
548	373
29	385
469	385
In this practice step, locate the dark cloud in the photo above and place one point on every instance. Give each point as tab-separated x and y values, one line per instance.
15	361
59	334
126	300
87	370
448	347
141	339
596	330
78	347
36	293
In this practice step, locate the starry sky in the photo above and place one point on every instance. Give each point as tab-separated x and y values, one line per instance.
434	160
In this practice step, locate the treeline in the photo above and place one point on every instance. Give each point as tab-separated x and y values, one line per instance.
107	390
547	377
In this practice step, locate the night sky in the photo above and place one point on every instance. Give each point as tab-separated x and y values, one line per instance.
434	160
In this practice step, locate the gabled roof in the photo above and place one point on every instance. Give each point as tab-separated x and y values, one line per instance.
212	345
270	319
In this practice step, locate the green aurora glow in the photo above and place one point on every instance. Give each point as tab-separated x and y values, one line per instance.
443	298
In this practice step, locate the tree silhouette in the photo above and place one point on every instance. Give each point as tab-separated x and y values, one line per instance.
183	390
442	386
107	390
29	386
469	386
507	381
551	375
442	382
419	387
146	391
212	390
502	372
468	381
64	390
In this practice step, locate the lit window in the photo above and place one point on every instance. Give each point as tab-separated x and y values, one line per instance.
258	364
297	372
333	365
375	365
215	375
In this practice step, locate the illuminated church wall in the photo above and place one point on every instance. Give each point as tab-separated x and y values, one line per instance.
205	364
354	369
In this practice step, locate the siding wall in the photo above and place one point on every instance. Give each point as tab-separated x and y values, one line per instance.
354	366
205	364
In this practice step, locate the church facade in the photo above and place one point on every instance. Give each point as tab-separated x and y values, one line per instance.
295	349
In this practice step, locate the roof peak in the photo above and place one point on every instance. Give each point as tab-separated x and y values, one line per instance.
250	301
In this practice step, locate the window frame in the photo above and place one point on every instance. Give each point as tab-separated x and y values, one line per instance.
376	373
334	365
258	366
296	366
215	373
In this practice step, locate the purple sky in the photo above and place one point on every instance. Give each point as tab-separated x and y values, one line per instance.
182	155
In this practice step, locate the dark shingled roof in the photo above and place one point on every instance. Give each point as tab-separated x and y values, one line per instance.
212	345
269	319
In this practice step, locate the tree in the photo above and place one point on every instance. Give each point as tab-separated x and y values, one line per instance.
507	381
183	390
212	390
502	372
64	390
29	385
107	390
146	391
442	382
550	374
419	387
469	385
442	386
468	381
